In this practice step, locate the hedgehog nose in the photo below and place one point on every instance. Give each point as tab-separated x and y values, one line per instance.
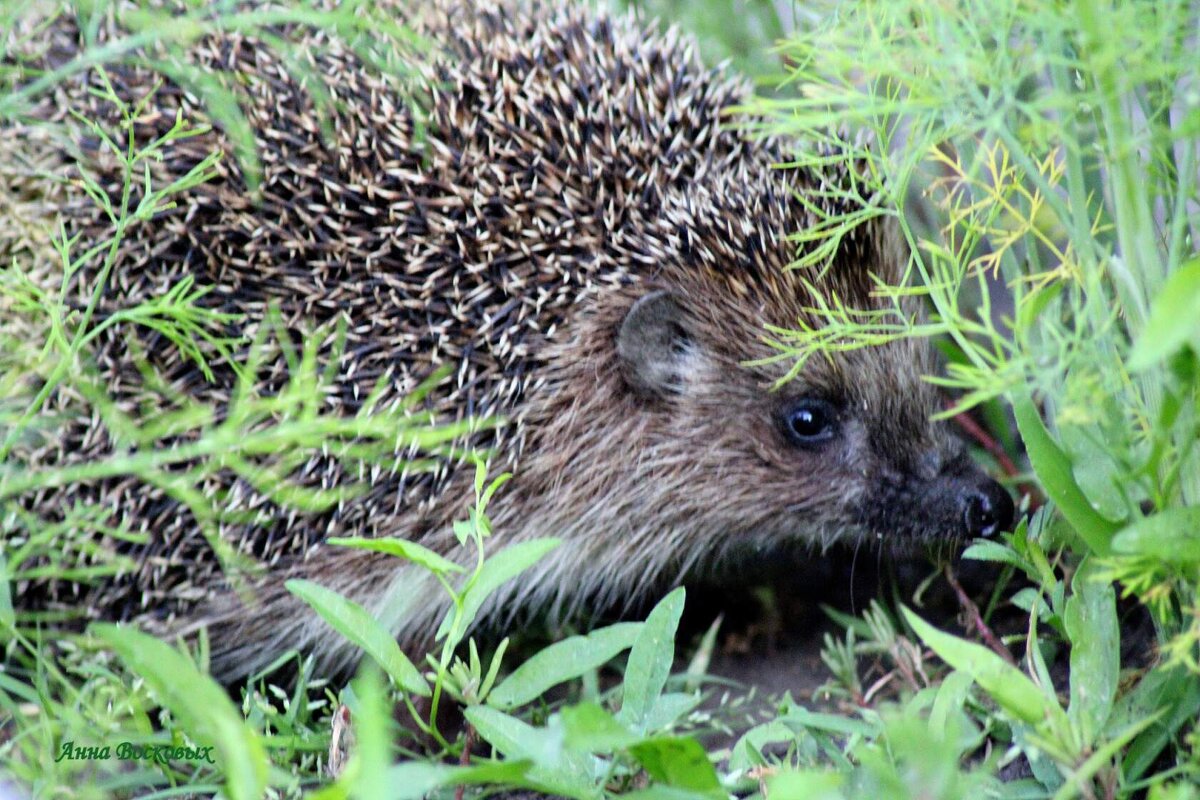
987	509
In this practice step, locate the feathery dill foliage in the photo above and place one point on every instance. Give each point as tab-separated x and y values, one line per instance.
1040	159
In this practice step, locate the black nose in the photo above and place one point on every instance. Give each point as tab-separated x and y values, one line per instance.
987	509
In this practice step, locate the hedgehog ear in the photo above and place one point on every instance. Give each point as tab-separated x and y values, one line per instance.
652	345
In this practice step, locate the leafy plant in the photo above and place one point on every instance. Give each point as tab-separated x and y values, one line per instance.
582	748
1040	162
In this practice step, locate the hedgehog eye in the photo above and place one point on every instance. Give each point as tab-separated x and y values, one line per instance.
810	422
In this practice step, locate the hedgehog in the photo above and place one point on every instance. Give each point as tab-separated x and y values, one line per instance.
573	237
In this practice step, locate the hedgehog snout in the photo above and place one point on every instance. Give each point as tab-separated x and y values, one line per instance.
959	501
983	506
987	509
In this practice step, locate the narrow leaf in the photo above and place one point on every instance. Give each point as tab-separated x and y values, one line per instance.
352	621
1007	685
373	737
412	780
678	761
1102	758
1091	622
809	784
800	719
563	661
401	548
669	707
1172	536
1173	319
202	707
8	617
589	728
1173	690
1053	469
556	769
650	660
497	570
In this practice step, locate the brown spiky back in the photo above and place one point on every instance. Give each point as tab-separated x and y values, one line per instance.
567	154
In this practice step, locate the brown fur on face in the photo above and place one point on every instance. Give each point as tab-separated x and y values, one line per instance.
575	166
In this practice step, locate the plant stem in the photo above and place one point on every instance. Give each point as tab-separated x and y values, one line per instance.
975	619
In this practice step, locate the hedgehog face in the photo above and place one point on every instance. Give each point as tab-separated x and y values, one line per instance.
845	450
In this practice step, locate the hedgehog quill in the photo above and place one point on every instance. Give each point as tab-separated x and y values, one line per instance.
595	252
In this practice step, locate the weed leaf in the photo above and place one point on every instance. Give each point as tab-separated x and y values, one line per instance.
563	661
678	761
1053	469
410	551
352	621
650	661
1173	319
201	706
499	569
1091	622
1172	536
588	728
1007	685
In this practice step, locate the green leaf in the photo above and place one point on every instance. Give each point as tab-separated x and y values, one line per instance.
1028	599
563	661
412	780
660	791
8	617
489	680
498	569
650	661
492	488
859	626
697	667
810	785
1173	319
801	719
352	621
678	761
949	701
1053	469
202	707
1102	757
747	751
1172	536
512	736
373	737
401	548
1004	683
984	550
1093	466
1034	303
589	728
557	770
669	707
1090	617
1173	689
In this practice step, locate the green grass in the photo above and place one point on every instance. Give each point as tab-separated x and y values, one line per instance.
1040	159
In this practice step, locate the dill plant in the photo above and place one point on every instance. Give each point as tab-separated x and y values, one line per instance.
1040	161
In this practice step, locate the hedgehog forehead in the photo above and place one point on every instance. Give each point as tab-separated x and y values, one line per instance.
732	236
885	389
